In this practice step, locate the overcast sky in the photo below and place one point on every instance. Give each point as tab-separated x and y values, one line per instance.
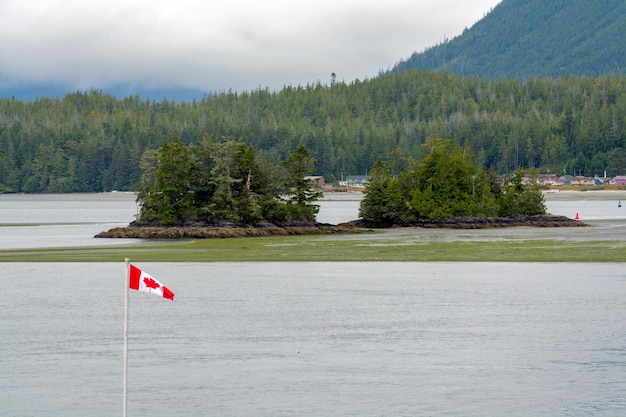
212	45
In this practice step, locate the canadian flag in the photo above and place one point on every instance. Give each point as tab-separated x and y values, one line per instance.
142	281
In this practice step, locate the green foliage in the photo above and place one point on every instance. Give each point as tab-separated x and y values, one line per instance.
523	38
93	142
220	182
444	187
521	198
296	168
169	200
445	184
383	201
449	184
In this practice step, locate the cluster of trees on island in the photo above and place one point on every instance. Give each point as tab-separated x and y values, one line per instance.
229	182
93	142
447	183
217	182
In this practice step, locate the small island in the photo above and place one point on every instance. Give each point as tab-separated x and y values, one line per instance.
225	189
199	231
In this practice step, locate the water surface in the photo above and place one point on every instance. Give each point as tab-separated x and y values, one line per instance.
316	339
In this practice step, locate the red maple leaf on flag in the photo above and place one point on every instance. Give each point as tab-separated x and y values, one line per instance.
150	283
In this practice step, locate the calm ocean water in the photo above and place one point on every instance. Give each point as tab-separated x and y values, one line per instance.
316	339
308	339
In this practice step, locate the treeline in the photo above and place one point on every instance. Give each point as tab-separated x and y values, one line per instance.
92	142
447	183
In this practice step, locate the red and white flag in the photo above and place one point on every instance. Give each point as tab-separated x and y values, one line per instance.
142	281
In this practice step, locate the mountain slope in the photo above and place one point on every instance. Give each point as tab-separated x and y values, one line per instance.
542	38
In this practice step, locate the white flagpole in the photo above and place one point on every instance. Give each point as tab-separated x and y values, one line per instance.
126	284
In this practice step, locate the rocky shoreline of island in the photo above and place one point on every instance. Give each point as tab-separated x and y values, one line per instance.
539	220
138	230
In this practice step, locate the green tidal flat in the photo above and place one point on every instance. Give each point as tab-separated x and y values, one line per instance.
374	246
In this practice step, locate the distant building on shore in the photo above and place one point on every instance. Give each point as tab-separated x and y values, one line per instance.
354	181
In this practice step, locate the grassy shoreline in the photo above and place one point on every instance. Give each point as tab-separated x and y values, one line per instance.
373	246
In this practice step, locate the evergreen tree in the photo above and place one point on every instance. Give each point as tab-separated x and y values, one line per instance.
169	201
383	201
447	184
299	190
521	198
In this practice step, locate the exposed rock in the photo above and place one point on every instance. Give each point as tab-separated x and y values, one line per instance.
199	231
539	220
224	231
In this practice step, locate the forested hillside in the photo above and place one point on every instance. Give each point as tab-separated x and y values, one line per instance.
92	142
542	38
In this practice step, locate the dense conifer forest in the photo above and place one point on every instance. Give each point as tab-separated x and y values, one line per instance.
519	38
447	183
216	183
89	141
